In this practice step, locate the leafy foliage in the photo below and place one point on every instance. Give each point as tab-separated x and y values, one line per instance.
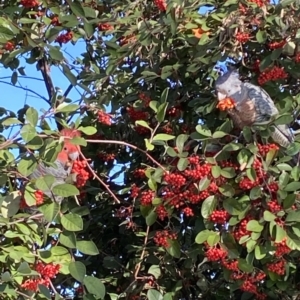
197	208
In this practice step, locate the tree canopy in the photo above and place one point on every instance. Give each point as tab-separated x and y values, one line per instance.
167	199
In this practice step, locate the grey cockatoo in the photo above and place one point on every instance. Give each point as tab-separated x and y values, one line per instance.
64	162
253	106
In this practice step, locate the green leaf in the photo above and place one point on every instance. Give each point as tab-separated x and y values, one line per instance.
35	144
154	295
204	184
68	239
228	172
68	73
55	54
45	183
24	268
28	132
10	204
289	201
161	112
260	252
50	211
149	146
293	216
203	236
174	248
77	270
72	222
88	130
253	225
44	291
280	234
65	190
143	124
182	164
94	286
180	141
27	165
76	8
32	116
151	218
208	206
65	107
87	247
203	131
216	171
163	137
268	216
219	134
261	36
292	187
10	121
155	271
164	95
284	119
244	266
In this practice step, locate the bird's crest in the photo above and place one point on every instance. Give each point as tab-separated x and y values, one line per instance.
70	132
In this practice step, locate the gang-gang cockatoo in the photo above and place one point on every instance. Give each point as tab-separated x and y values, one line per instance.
64	163
254	106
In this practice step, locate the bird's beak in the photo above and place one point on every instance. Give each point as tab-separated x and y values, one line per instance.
74	155
221	96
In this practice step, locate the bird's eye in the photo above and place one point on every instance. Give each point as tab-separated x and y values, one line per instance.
65	148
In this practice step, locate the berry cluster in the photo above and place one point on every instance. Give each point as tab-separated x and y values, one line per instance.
215	253
104	118
107	157
297	58
227	103
281	248
124	40
274	206
276	45
147	197
161	212
260	3
277	267
105	27
39	197
219	216
141	130
139	173
29	3
242	37
187	211
134	192
174	111
161	238
64	38
271	75
55	21
9	46
161	5
82	175
240	230
231	265
136	115
243	9
264	149
46	271
146	99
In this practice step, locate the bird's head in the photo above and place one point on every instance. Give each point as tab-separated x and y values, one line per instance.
70	152
228	83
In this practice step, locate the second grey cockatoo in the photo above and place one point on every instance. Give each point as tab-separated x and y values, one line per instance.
254	106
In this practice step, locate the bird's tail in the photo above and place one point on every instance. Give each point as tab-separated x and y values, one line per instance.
283	136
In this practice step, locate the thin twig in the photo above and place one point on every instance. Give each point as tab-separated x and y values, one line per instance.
22	294
52	287
37	216
130	146
100	180
25	89
138	266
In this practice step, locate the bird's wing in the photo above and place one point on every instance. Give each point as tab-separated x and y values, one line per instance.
263	103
